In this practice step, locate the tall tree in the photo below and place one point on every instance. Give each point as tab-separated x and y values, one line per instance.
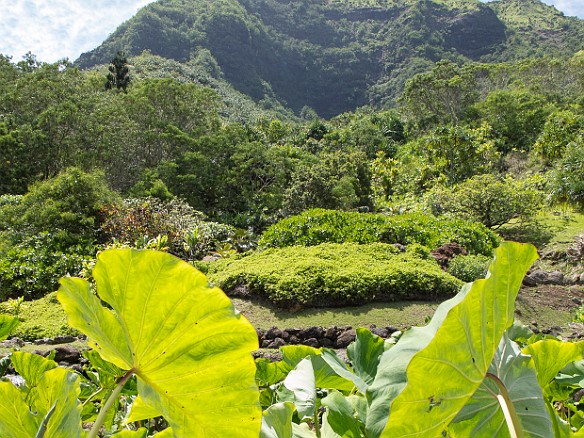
119	73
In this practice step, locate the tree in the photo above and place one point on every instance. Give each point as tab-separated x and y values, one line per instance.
119	73
494	201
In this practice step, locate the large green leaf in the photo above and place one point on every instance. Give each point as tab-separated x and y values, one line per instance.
551	355
7	324
339	419
183	339
16	420
277	421
302	383
365	354
390	379
31	368
55	406
444	375
483	414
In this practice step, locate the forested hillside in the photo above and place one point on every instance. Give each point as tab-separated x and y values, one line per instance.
334	56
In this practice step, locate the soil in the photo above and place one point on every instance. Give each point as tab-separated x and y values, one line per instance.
549	306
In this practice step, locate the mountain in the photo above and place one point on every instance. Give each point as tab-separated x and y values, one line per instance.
336	55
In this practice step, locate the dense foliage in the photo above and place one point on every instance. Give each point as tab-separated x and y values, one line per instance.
334	275
338	55
470	370
318	226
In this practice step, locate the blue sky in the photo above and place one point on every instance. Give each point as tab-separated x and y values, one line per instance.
56	29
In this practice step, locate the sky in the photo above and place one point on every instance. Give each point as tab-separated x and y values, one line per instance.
57	29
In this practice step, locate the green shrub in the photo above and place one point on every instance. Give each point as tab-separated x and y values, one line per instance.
319	226
33	267
333	275
67	205
470	267
140	220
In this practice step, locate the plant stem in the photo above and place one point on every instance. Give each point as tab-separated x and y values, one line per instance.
108	404
513	423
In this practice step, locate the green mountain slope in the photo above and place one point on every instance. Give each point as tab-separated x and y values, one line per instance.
336	55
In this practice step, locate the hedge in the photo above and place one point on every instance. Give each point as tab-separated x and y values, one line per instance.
334	275
317	226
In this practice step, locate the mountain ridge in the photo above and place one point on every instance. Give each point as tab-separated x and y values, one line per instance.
334	56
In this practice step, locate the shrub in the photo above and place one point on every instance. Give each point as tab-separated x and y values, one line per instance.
140	220
68	206
32	268
319	226
469	267
333	275
43	318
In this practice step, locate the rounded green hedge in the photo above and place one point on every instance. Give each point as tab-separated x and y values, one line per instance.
317	226
334	275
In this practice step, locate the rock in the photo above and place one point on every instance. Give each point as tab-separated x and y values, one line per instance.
293	331
277	343
577	300
311	342
574	279
285	335
391	330
64	339
265	343
327	343
400	247
539	276
555	277
67	355
260	333
312	332
12	343
331	333
273	333
345	338
293	340
529	281
381	332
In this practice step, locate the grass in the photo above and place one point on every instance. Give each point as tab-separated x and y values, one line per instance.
42	318
398	314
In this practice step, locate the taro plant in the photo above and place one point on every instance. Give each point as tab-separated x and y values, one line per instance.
171	357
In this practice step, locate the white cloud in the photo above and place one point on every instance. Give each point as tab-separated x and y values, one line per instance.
568	7
56	29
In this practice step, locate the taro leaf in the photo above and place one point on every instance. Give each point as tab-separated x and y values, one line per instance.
277	421
59	387
551	355
7	324
339	367
444	375
269	372
56	407
16	421
483	415
31	368
183	339
339	418
140	411
302	383
329	370
302	430
140	433
365	354
390	379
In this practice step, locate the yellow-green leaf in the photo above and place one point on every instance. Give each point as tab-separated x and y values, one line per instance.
183	339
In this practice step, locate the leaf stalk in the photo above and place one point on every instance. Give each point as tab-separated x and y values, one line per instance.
109	403
511	417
